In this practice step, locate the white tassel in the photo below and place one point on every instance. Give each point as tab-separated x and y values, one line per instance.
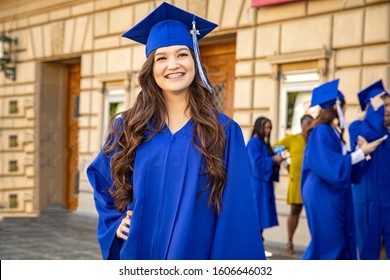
343	122
197	57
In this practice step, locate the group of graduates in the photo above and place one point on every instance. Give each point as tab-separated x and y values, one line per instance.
346	194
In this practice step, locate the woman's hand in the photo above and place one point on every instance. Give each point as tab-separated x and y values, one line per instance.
277	159
124	227
377	101
366	147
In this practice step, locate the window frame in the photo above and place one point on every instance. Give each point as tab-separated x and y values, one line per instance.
112	94
294	81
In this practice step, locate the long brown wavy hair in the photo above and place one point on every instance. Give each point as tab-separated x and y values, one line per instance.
149	113
325	116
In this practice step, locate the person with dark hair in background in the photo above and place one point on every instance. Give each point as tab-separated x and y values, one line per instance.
172	180
327	173
265	166
295	144
371	195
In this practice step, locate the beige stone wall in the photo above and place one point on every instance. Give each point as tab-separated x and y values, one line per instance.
347	39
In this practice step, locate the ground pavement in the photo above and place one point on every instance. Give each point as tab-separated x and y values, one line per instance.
58	234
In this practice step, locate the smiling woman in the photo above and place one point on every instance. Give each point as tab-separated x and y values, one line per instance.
172	180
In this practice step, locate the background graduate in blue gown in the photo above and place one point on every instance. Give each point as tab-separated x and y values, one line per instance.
172	180
372	195
265	166
326	179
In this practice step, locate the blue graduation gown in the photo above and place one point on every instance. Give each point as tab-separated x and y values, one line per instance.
169	220
263	175
326	195
358	190
372	194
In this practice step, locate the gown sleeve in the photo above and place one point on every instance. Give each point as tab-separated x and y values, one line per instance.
325	159
99	175
237	233
286	142
371	128
374	123
354	131
262	164
358	169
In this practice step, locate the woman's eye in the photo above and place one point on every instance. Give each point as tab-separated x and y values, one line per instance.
183	54
160	58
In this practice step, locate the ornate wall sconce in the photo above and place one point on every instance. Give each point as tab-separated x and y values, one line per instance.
5	56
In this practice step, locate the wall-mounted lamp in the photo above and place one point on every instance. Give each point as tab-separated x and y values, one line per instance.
5	56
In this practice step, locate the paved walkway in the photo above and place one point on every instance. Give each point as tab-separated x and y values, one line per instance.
59	234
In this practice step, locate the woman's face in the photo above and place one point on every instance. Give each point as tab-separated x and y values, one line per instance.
267	129
174	69
306	123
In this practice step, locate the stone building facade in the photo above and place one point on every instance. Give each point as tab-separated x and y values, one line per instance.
73	71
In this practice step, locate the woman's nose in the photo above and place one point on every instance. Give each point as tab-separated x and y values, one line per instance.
172	63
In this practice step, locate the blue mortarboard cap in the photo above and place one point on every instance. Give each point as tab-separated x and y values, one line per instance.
167	26
326	94
371	91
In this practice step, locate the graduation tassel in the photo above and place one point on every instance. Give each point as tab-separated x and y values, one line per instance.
343	122
194	32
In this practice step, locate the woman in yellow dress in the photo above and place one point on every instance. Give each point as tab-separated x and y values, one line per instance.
295	144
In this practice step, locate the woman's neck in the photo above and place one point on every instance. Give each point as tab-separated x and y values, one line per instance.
177	109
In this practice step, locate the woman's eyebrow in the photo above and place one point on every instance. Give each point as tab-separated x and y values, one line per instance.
178	50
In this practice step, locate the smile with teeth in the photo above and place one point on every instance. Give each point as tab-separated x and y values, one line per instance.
174	75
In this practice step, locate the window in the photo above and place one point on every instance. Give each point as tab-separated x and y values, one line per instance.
295	98
13	141
114	102
13	166
13	107
76	106
76	182
219	90
13	201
